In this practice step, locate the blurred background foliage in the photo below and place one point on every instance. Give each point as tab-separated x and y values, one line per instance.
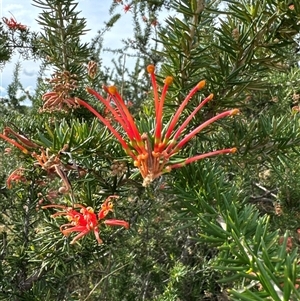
225	228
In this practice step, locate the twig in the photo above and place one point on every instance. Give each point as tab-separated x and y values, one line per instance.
106	276
267	191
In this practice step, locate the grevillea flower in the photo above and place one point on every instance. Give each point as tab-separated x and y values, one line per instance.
92	69
16	176
13	24
152	151
86	220
51	163
59	99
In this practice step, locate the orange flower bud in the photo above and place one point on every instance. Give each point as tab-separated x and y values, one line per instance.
234	111
168	80
201	84
210	96
150	69
112	90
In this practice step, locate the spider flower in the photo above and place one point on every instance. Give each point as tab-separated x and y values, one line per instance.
16	176
152	152
86	220
13	24
50	163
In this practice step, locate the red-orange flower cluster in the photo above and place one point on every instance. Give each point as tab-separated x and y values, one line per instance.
152	151
86	219
16	176
51	163
13	24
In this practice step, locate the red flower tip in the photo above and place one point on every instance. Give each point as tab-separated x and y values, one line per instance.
201	84
150	69
127	8
168	80
112	90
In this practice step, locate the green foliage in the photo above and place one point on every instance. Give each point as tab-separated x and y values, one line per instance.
62	28
224	228
13	101
15	39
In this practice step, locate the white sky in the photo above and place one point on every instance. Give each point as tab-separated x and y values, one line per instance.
95	12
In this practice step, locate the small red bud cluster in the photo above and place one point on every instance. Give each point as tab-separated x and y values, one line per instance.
12	24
